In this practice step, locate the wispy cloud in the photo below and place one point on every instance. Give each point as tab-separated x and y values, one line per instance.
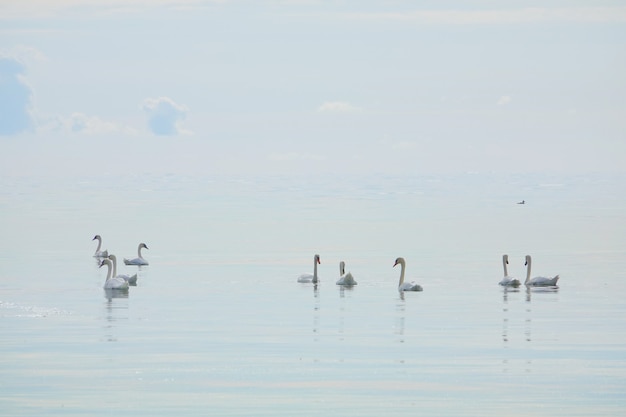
164	116
92	125
15	98
81	124
337	107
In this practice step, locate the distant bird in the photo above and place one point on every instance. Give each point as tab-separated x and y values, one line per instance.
99	253
311	277
139	259
112	283
508	281
345	279
405	286
131	279
522	202
538	281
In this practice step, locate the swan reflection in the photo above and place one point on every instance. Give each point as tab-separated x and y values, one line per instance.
110	293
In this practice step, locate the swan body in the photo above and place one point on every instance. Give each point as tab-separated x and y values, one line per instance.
131	279
508	281
139	259
311	277
405	286
99	253
345	279
538	281
112	283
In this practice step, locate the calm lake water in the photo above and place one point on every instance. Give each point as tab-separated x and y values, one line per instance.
218	325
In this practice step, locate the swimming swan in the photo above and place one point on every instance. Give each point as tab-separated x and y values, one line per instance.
139	260
345	279
508	281
99	253
131	279
405	286
311	277
112	283
538	281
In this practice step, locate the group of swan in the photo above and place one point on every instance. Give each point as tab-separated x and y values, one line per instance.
508	281
113	279
347	280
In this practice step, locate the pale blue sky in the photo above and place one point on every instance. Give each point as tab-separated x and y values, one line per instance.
212	87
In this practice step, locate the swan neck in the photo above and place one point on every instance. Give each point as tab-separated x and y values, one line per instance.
109	264
114	263
315	270
528	262
402	267
99	244
506	273
139	251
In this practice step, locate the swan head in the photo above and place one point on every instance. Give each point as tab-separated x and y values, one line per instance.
143	245
96	237
527	260
105	261
112	257
317	259
342	267
399	261
505	258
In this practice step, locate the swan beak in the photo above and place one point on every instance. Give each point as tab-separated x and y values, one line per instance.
396	263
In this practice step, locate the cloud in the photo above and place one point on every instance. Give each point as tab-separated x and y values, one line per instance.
80	123
15	98
164	115
91	125
504	100
337	107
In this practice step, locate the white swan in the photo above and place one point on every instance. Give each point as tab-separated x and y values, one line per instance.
112	283
508	281
405	286
131	279
311	277
99	253
345	279
538	281
139	260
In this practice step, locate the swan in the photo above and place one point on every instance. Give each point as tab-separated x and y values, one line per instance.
538	281
508	281
405	286
345	279
311	277
112	283
131	279
99	253
139	260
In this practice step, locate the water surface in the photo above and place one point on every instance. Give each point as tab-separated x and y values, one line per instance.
218	325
